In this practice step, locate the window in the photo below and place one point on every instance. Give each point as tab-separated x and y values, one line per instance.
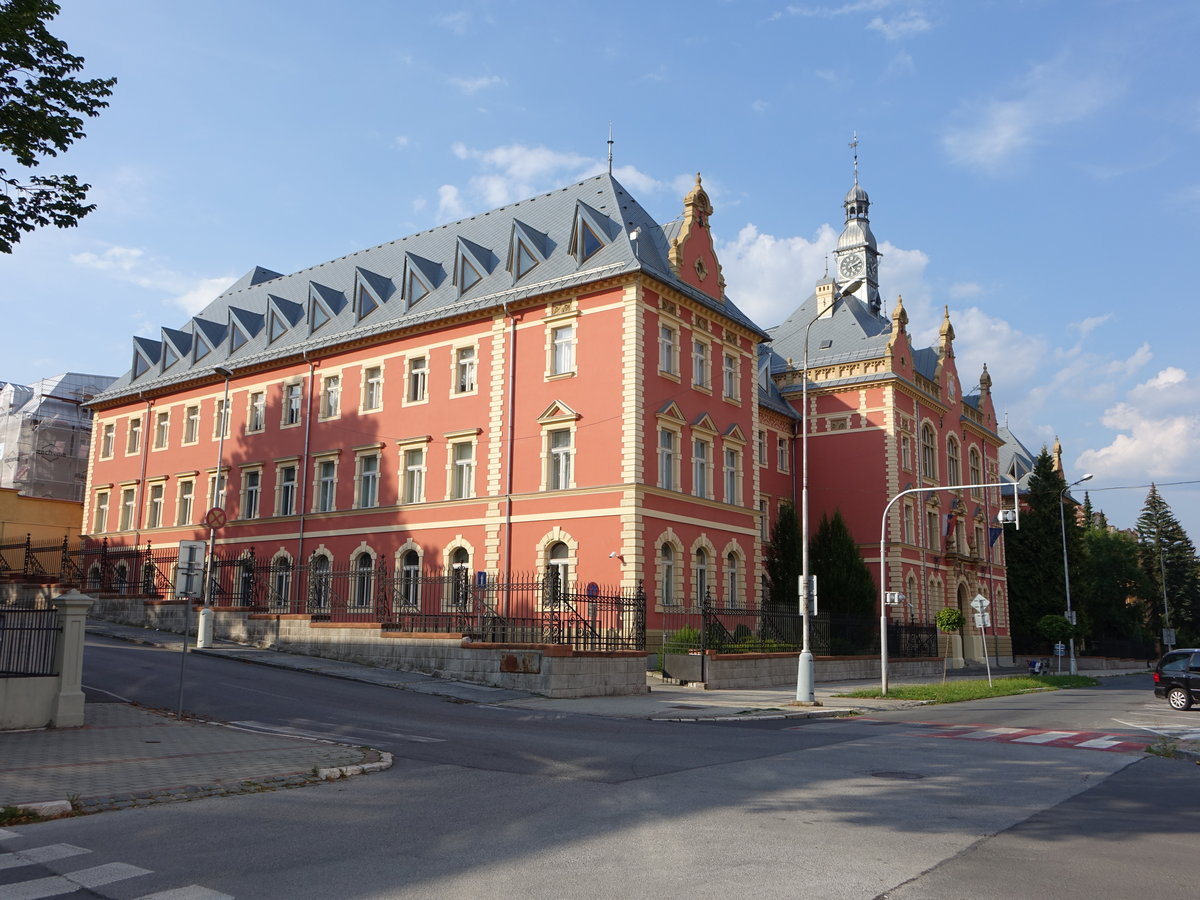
906	452
331	396
563	339
463	477
701	364
460	571
256	414
730	376
184	502
464	370
586	242
928	452
668	350
100	513
701	468
417	370
363	577
781	451
909	537
154	505
760	448
979	541
953	461
558	476
251	492
127	499
326	485
414	475
281	584
216	489
191	424
933	534
415	289
410	579
291	403
372	388
525	259
366	302
319	582
133	441
975	463
667	569
733	465
368	480
162	429
667	459
701	581
286	490
558	569
733	594
107	439
764	519
221	419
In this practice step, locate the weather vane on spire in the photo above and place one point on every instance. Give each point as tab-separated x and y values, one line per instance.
610	143
854	147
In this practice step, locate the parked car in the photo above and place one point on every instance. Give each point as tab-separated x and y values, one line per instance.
1177	678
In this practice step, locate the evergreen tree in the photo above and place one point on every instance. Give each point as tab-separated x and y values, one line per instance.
1166	552
781	559
1035	554
844	583
1110	576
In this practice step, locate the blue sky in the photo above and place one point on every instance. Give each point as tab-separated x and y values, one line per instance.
1032	165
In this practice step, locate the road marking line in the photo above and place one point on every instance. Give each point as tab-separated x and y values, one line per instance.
106	874
191	892
1102	743
1045	737
39	888
5	834
110	693
35	855
991	733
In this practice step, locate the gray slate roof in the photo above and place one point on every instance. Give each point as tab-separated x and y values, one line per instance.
853	332
264	304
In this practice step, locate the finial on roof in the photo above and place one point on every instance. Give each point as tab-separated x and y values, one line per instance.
826	265
854	147
985	381
1057	454
946	332
899	315
610	146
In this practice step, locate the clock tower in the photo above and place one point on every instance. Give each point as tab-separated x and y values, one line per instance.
857	255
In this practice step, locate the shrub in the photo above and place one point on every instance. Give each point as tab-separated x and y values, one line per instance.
950	619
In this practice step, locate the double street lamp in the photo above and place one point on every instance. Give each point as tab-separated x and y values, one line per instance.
805	676
1062	516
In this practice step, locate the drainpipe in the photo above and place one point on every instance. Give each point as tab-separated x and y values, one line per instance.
302	469
141	485
508	453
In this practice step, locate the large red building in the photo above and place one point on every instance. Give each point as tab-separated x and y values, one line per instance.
561	384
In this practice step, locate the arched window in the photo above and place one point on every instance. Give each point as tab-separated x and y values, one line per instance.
701	581
121	579
460	571
668	575
364	570
928	451
281	582
319	580
733	594
953	461
410	579
557	571
975	467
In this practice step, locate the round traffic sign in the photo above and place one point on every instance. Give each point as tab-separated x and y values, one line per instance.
215	517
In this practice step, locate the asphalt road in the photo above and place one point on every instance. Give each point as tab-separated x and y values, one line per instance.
491	802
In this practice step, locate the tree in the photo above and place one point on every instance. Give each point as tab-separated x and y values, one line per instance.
42	106
781	559
844	583
1168	559
1109	578
1035	566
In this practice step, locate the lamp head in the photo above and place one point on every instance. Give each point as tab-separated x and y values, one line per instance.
849	288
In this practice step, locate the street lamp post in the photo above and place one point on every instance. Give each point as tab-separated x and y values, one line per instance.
805	675
1062	516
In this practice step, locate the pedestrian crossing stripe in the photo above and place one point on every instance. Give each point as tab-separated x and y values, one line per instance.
1080	740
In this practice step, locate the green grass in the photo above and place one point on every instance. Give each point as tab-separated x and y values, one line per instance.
976	689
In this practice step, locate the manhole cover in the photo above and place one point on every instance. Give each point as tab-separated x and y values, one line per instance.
898	776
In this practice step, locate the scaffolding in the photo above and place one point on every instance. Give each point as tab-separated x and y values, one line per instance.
45	434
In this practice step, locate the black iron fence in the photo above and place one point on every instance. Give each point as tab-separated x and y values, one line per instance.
28	638
734	630
534	608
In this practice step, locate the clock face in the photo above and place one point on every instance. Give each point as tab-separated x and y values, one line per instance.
850	266
872	267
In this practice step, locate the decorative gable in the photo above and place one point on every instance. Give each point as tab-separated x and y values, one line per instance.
244	326
735	434
206	335
590	232
371	291
324	303
705	423
282	316
421	278
471	264
672	411
146	354
527	249
692	256
176	346
557	412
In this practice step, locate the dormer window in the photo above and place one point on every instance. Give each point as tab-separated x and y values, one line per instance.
140	365
415	290
170	357
276	327
586	242
237	337
468	275
318	315
526	261
367	304
202	348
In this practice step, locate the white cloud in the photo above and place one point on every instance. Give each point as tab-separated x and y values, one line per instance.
1013	358
963	289
475	85
901	64
450	204
899	27
759	106
400	141
991	132
132	265
1090	324
767	276
811	11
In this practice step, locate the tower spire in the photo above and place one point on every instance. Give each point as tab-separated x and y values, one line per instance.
610	145
854	147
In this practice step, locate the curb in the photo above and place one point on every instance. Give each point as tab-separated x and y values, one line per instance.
760	717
